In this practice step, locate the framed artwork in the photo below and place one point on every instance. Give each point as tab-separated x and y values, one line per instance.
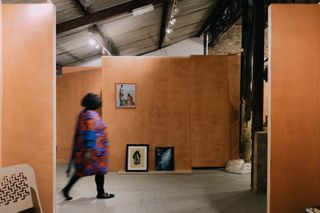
125	95
137	157
164	158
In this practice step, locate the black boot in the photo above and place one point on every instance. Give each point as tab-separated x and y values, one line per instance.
100	190
65	193
66	189
105	196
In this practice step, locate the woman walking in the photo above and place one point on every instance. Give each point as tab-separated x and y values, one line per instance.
90	148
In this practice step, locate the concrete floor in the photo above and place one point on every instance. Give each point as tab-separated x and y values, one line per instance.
213	191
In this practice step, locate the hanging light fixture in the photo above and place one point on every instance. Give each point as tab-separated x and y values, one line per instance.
173	20
169	30
176	11
97	44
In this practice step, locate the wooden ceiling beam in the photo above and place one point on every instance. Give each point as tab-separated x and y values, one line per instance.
164	22
104	14
228	18
212	18
105	40
83	8
98	33
223	16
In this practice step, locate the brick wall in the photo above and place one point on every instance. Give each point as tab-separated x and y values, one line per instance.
228	43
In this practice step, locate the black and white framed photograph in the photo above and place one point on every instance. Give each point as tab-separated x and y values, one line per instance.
137	157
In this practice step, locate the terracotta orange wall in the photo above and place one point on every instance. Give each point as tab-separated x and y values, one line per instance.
189	103
28	92
215	90
74	83
294	159
162	116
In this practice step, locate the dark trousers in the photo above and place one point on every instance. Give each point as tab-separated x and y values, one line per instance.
99	182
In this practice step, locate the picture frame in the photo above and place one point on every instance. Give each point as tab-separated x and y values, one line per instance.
137	157
164	158
125	95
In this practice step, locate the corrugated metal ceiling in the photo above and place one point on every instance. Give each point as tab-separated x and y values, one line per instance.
122	33
112	25
136	35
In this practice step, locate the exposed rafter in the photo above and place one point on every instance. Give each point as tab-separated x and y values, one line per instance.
83	8
104	14
104	39
98	33
164	20
212	17
225	14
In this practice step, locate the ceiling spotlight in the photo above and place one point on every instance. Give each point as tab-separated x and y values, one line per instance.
169	30
175	11
97	46
173	21
92	41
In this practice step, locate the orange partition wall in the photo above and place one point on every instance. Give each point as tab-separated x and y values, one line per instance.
294	159
74	83
189	103
215	91
28	113
161	117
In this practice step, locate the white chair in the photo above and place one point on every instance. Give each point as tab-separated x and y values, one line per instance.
18	190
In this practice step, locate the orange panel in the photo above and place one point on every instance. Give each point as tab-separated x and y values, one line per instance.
71	87
161	117
214	110
294	146
28	82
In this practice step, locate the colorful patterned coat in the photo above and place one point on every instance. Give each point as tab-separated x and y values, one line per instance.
90	161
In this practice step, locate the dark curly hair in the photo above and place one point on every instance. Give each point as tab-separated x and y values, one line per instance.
91	101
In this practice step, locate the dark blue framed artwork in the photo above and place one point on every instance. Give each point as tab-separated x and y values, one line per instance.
164	158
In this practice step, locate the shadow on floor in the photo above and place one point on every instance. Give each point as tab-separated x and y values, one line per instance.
76	205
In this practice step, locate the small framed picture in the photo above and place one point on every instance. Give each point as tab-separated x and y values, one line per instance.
137	157
125	95
164	158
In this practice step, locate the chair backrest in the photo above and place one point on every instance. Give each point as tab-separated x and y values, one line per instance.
18	189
